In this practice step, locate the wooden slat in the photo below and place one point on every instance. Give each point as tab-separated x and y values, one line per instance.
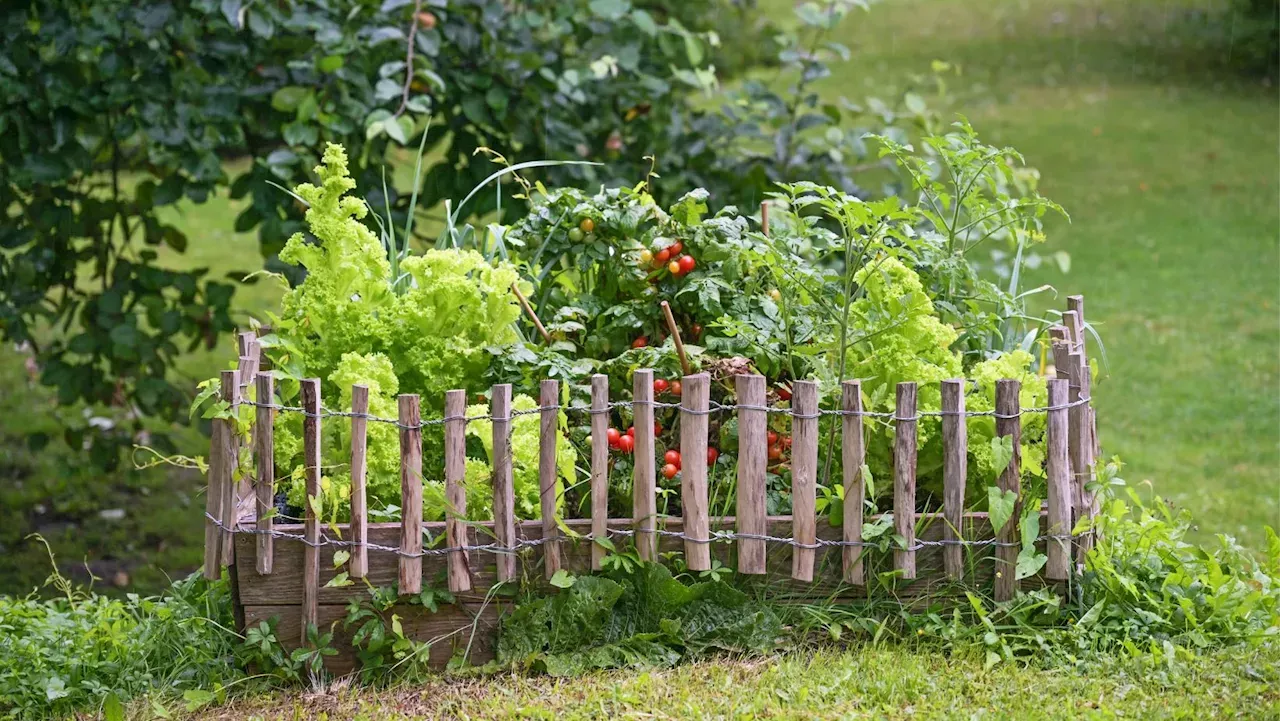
1058	474
265	481
229	506
752	468
853	453
599	466
1060	340
1081	450
548	431
644	490
804	476
359	563
410	417
311	459
247	371
904	478
1072	323
955	472
695	402
504	499
455	495
1075	305
1009	424
213	502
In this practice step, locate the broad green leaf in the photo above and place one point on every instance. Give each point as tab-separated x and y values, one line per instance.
1001	452
562	579
340	557
1000	505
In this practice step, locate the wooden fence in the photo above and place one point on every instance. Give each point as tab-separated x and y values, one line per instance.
293	563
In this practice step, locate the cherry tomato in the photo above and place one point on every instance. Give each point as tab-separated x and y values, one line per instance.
626	444
784	393
669	471
695	330
675	248
675	388
640	342
674	267
613	435
773	438
672	457
662	256
646	256
712	455
587	225
576	235
775	453
775	294
686	263
631	431
786	441
660	385
657	428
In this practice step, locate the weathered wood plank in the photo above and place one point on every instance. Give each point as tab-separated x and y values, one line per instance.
804	476
1009	424
229	506
752	460
1081	450
265	480
359	563
311	458
694	405
644	486
1058	473
504	495
548	432
599	466
853	452
904	478
410	540
955	471
455	471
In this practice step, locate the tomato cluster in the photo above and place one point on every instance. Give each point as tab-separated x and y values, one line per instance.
676	263
778	446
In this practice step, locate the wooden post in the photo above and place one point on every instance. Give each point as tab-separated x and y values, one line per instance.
547	435
752	468
1060	341
764	220
694	406
1058	472
1075	306
229	505
599	467
247	371
852	456
358	566
804	477
1009	423
311	528
904	478
410	418
644	492
455	496
265	490
1081	450
221	468
955	472
504	498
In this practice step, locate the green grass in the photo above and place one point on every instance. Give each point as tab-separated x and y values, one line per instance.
886	682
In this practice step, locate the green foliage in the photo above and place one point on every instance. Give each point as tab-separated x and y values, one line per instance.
635	616
81	651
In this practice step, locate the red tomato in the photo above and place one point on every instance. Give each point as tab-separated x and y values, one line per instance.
773	438
686	264
775	453
626	444
674	267
662	256
675	248
660	385
786	441
784	393
712	455
640	342
613	435
669	471
675	388
695	330
672	457
657	428
631	431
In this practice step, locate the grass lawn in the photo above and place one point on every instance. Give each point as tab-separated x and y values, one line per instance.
880	683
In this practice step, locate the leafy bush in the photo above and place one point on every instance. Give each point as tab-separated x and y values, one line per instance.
83	652
635	616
